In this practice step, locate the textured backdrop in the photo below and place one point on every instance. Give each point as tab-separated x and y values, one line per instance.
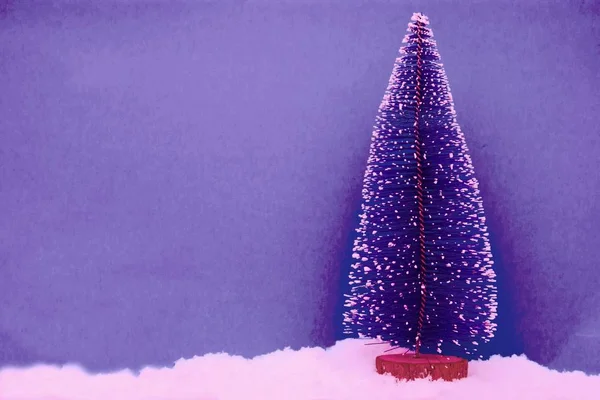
178	179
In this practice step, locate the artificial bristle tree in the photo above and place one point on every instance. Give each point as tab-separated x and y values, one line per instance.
423	276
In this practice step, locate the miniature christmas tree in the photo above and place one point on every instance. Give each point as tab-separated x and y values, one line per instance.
423	276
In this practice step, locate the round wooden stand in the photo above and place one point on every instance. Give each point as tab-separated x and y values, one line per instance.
410	367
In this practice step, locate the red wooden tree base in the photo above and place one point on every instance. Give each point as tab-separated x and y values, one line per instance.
410	367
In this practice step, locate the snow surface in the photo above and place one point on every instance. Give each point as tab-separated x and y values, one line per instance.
344	371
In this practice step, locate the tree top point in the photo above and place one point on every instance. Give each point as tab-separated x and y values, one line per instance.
418	17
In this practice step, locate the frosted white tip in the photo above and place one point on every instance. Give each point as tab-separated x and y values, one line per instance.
418	17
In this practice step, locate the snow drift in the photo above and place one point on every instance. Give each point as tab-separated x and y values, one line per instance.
344	371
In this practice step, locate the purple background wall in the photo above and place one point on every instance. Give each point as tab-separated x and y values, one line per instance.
178	179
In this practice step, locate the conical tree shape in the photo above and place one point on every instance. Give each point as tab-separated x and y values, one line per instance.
423	274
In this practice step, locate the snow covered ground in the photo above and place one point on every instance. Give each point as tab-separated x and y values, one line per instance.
344	372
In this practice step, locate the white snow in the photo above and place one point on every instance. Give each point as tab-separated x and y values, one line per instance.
343	372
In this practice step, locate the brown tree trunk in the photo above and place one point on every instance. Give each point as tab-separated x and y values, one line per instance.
433	366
